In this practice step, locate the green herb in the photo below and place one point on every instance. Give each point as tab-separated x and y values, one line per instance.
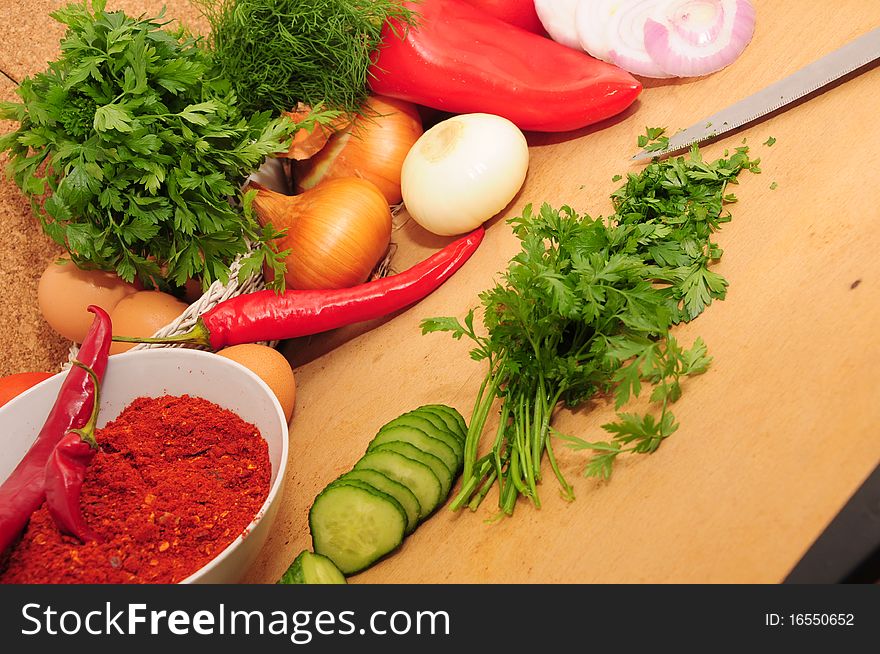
769	142
584	310
281	52
773	186
130	146
653	140
617	178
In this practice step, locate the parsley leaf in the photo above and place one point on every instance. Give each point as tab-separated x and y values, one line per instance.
130	147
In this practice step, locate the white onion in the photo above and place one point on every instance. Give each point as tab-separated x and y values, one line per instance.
463	171
665	38
557	17
700	36
591	21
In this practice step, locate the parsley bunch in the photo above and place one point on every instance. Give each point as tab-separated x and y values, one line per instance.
130	147
584	309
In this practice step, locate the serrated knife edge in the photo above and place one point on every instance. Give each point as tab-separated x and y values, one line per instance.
807	80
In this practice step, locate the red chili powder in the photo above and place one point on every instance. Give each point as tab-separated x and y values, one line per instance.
177	479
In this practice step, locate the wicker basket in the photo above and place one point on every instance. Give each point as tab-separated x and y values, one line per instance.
273	175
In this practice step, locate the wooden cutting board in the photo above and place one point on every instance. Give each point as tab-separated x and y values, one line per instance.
773	439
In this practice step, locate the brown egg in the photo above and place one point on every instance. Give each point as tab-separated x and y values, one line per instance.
269	365
143	314
65	291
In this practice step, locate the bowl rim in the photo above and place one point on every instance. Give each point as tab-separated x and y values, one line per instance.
276	486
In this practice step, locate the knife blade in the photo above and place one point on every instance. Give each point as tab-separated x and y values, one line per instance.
807	80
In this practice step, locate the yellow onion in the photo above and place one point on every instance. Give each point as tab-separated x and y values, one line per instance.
373	147
336	232
306	143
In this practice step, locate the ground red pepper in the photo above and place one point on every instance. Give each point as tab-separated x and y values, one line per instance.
177	479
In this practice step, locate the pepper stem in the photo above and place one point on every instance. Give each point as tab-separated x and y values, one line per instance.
87	431
198	335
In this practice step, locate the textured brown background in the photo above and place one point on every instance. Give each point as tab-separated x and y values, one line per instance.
773	439
28	40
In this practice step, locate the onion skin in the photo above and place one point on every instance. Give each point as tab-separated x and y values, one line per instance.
306	143
372	148
336	232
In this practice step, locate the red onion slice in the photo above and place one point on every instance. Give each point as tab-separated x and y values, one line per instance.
557	17
706	44
627	31
699	21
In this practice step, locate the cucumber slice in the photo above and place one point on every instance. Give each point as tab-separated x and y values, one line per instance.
436	429
354	526
453	418
436	465
398	491
311	568
417	477
420	422
433	418
426	443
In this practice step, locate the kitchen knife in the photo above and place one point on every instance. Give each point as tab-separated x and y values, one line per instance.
848	551
811	78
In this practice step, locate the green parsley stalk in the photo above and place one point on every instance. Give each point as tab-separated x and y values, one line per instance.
583	311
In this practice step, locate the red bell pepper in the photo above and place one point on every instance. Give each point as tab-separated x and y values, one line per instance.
462	60
513	12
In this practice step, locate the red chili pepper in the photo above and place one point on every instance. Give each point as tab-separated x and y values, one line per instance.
23	491
513	12
66	470
461	60
268	316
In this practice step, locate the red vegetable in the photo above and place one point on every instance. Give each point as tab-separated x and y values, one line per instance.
14	385
66	470
462	60
513	12
268	316
23	491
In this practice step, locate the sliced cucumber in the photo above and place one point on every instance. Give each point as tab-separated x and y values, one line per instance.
354	525
398	491
436	429
428	444
433	418
420	422
311	568
417	477
410	451
453	418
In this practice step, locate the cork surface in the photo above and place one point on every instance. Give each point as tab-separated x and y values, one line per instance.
29	40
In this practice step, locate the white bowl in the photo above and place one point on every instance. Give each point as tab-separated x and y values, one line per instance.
170	371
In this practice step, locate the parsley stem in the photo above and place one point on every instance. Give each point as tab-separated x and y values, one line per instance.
567	490
477	499
484	466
